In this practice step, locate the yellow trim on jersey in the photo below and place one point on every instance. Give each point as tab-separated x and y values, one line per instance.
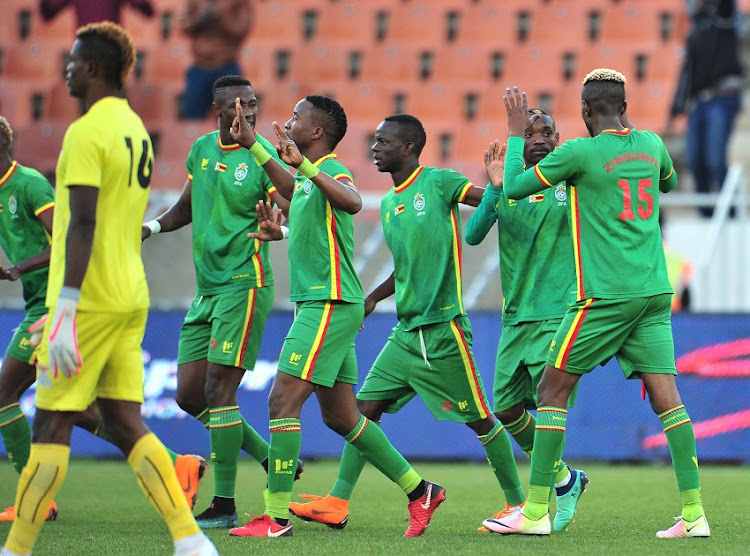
465	192
44	208
332	251
470	372
9	173
342	175
575	232
561	355
256	263
190	177
324	158
318	339
248	321
457	260
667	176
541	176
408	181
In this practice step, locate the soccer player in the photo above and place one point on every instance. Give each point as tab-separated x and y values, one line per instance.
318	353
624	296
25	226
98	297
429	352
536	267
221	335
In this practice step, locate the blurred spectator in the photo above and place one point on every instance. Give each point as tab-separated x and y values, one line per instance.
710	92
90	11
679	272
216	29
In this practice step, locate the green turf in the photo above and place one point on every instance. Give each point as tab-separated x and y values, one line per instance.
103	512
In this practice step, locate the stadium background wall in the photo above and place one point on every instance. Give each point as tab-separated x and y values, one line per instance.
713	354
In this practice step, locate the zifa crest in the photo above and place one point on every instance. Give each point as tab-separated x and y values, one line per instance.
308	187
12	204
419	201
241	172
561	193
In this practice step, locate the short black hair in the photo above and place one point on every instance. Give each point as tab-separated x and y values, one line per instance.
412	130
541	112
331	117
111	47
604	91
227	81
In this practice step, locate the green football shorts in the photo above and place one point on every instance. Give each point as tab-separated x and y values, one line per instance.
20	347
638	331
226	328
521	359
319	347
434	362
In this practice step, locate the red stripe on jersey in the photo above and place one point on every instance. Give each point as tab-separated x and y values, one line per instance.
576	225
410	180
248	328
318	346
336	270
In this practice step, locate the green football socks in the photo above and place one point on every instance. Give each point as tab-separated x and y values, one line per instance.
226	438
350	468
283	454
549	441
681	440
500	456
16	433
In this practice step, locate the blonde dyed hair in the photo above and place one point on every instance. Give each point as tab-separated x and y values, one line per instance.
116	34
605	74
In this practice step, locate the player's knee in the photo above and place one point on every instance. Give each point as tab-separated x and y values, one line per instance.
339	423
189	404
507	416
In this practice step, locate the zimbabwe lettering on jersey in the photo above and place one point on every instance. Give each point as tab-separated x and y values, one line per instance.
25	195
422	228
227	183
614	198
321	242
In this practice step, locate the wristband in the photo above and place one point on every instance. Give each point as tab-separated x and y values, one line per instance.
308	168
285	231
154	226
261	155
68	292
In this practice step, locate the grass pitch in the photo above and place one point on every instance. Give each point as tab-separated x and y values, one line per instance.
103	512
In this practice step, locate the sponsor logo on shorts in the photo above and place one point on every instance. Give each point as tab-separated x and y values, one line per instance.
24	343
294	359
463	406
552	345
227	347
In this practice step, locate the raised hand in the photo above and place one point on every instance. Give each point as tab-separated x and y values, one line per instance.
288	150
241	130
494	163
269	222
517	107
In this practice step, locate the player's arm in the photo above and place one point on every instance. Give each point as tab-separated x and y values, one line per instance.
341	193
41	260
282	179
384	290
485	216
178	215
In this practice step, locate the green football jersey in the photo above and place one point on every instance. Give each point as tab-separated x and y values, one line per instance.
614	182
422	228
536	261
24	195
227	183
321	242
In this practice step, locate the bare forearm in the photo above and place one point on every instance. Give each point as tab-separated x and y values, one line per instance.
340	195
280	177
176	217
384	290
34	263
78	245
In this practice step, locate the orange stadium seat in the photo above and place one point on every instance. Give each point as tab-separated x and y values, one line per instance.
347	24
21	101
33	60
174	141
392	63
166	62
38	145
463	62
59	106
487	23
418	22
154	102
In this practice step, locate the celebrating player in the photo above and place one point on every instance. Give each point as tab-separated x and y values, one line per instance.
536	267
318	353
624	296
98	297
222	331
429	352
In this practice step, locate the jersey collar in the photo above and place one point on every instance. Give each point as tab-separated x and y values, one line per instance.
9	173
223	147
324	158
410	180
625	131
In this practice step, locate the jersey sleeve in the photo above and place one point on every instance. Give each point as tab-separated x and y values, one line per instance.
455	186
190	160
484	217
39	195
667	175
559	165
84	156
